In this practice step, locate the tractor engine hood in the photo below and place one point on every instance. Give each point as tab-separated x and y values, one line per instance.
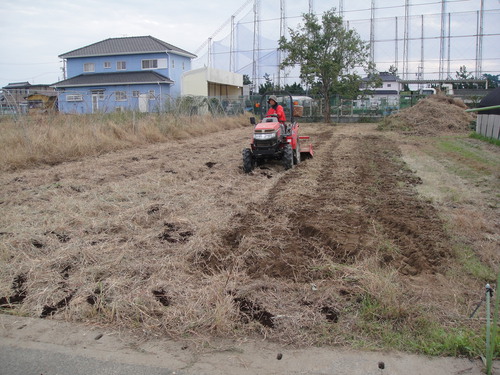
265	127
267	132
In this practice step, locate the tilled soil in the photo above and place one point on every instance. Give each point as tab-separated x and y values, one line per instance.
360	191
176	239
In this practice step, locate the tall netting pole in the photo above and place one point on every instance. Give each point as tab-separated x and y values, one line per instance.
442	39
372	32
396	44
406	39
282	34
479	41
256	50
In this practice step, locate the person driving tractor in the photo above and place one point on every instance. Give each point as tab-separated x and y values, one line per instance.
276	109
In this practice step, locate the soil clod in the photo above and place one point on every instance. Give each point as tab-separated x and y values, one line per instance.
162	297
255	312
52	309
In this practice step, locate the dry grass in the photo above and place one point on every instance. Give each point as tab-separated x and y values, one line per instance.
433	115
174	239
36	140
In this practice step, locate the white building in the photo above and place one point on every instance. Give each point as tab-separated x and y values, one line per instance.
385	95
212	83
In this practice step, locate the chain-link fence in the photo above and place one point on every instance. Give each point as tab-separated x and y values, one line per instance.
311	107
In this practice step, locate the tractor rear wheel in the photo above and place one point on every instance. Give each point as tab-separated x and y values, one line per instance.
248	160
296	158
288	156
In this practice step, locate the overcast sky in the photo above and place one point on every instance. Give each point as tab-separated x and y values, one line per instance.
34	33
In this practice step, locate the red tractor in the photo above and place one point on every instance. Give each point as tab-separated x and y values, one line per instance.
272	140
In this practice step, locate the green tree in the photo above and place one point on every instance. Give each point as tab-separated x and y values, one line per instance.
268	85
327	54
393	70
246	80
493	81
295	89
463	74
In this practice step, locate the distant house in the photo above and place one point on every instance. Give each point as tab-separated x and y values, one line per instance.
131	73
16	96
387	93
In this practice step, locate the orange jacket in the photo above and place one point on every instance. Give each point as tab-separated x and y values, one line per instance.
278	111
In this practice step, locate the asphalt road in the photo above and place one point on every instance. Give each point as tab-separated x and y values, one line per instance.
23	361
31	346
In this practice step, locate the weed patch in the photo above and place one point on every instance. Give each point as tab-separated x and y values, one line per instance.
481	137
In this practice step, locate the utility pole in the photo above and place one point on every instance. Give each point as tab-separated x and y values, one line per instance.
64	68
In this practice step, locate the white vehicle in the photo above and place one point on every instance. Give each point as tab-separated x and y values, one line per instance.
427	91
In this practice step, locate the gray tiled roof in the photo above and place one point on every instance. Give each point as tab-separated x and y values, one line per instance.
113	79
385	77
383	92
125	46
16	85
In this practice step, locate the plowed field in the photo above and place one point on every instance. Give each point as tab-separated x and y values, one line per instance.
175	239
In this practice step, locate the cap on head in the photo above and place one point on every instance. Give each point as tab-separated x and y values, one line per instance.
273	97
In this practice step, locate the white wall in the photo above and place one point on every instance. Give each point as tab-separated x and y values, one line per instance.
195	82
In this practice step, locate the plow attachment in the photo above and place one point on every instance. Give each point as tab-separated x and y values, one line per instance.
306	147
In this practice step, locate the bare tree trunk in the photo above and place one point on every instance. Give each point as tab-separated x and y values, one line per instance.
327	113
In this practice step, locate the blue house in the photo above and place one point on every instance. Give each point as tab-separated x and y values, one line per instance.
132	73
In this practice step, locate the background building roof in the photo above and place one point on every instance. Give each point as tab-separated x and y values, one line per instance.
113	79
490	100
125	46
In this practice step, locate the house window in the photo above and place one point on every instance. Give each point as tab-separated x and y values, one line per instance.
388	85
121	65
107	64
135	94
183	66
100	94
149	64
120	96
74	98
89	67
151	94
173	63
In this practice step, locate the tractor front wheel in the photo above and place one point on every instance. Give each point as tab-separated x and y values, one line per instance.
248	160
288	156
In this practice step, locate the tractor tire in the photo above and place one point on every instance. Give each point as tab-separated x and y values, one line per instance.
288	156
296	157
248	160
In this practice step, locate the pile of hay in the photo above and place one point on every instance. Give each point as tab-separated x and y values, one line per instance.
432	115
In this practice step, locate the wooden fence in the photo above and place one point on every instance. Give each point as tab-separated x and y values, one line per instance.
488	125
